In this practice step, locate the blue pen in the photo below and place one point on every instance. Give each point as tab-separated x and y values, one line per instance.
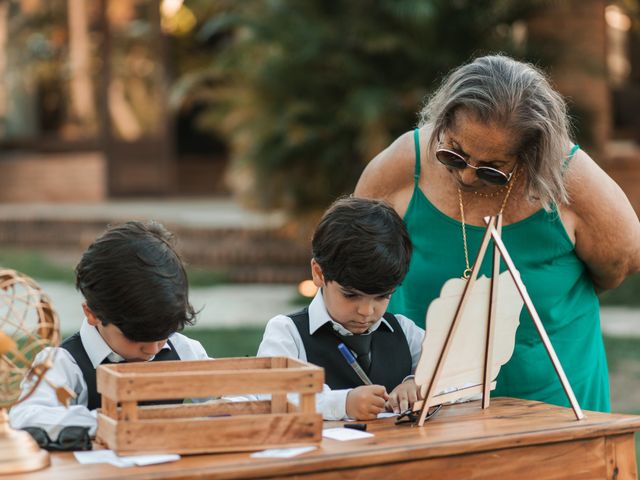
351	360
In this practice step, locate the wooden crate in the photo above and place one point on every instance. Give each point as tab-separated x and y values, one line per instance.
215	426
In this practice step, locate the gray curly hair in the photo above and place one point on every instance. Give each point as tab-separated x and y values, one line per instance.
507	92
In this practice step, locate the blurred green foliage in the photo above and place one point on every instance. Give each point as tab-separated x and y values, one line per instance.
308	91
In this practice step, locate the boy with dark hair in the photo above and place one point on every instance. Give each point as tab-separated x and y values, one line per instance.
136	298
361	253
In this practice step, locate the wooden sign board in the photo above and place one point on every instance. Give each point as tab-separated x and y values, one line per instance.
463	373
213	426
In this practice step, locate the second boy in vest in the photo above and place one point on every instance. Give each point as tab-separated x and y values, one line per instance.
136	300
361	253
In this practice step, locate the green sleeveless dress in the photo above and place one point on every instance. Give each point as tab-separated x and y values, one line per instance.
556	279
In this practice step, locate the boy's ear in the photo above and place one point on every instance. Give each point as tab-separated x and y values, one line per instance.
316	274
91	318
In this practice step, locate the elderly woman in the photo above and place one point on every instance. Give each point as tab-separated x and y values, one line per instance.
495	138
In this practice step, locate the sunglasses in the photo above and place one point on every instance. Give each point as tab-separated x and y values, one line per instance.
409	416
70	438
452	159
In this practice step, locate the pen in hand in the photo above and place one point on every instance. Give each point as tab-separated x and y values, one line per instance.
351	360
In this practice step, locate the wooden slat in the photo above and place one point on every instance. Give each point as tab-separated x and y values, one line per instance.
240	363
106	381
128	411
241	433
168	385
278	400
296	363
207	409
106	432
109	407
308	403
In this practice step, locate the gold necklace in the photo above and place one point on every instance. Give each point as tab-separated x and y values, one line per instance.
491	195
467	271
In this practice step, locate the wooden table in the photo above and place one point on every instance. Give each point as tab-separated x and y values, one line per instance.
511	439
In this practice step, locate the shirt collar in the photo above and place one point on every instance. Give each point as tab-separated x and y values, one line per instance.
318	316
97	349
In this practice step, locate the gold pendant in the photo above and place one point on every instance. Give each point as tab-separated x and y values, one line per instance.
467	273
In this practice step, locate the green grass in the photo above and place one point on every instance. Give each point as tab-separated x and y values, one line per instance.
627	294
232	342
51	266
36	264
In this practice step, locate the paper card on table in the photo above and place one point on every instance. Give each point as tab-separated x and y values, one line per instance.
380	415
282	452
95	456
142	460
387	414
109	456
344	434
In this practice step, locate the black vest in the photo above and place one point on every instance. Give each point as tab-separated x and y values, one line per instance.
74	346
390	354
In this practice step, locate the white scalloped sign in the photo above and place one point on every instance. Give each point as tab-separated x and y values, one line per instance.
464	365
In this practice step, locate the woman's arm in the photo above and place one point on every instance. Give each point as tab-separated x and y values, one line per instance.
607	230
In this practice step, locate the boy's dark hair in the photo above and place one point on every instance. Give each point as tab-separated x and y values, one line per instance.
132	277
362	244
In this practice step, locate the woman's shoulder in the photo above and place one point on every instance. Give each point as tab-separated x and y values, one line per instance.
390	171
588	185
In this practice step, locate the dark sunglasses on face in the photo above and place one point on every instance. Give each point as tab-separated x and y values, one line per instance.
70	438
452	159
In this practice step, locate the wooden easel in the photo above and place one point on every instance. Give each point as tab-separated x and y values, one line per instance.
494	229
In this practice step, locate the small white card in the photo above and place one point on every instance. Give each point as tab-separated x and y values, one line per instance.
142	460
109	456
380	415
95	456
344	434
282	452
387	414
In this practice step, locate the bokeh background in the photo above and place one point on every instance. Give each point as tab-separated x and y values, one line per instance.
235	123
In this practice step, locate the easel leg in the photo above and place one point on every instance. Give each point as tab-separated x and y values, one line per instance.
493	303
537	322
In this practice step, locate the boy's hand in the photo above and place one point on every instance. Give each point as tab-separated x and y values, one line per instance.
366	402
403	396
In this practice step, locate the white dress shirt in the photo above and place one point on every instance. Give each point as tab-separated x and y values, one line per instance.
42	408
281	338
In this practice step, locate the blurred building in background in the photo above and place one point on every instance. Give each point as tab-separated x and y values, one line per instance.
84	105
85	88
